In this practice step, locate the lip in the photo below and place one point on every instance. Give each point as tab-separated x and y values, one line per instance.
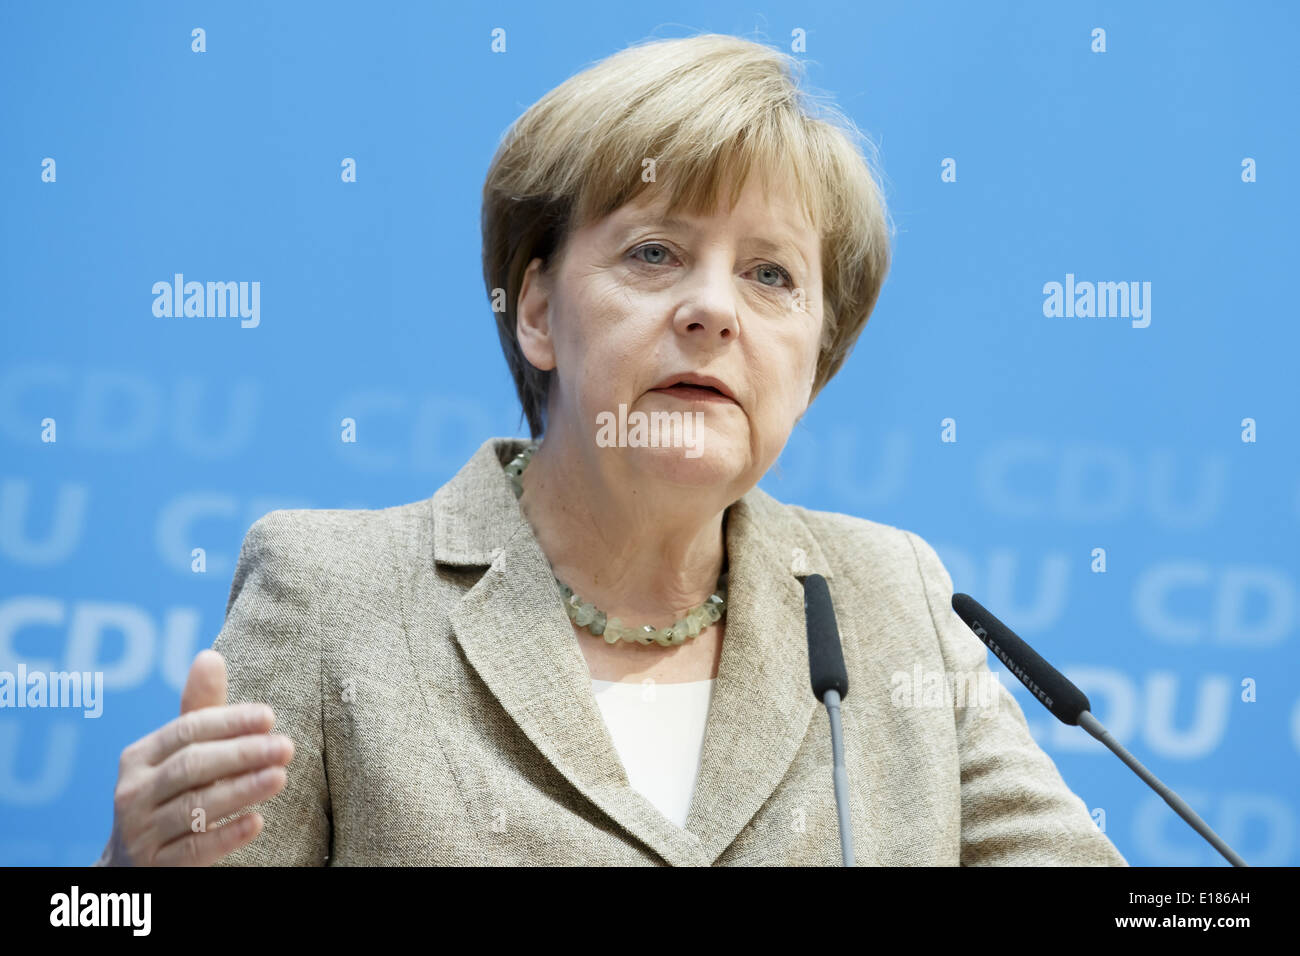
699	395
693	394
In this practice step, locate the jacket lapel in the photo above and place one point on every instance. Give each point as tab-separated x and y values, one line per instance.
514	632
763	699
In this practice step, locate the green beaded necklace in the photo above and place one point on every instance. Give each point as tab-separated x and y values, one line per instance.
585	614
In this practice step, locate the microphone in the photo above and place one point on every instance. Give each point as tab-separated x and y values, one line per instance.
830	684
1070	705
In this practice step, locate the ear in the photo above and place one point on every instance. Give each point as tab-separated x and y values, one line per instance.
533	318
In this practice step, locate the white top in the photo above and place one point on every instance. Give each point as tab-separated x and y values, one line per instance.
658	730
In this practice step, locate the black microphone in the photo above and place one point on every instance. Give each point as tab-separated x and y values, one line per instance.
830	684
1070	705
825	655
1044	681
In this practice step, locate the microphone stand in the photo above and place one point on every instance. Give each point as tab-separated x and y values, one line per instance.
1093	726
841	776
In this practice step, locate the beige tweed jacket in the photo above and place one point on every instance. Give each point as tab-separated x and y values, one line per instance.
442	712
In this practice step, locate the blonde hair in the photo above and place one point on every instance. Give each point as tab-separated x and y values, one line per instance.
705	108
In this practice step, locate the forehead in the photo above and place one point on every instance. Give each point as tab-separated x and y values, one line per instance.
762	212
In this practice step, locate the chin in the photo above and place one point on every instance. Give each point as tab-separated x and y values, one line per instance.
710	459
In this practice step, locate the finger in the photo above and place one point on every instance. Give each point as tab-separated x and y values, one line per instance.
206	684
211	760
204	849
175	819
210	723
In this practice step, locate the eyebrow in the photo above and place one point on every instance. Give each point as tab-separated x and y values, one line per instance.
765	246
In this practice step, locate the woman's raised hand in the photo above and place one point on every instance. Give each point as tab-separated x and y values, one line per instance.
174	784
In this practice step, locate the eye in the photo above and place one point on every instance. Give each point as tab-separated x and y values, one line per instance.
771	268
652	247
661	253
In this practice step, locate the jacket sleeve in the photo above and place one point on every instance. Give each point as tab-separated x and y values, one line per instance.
1016	810
271	641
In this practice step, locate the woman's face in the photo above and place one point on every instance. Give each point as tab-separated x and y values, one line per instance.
634	301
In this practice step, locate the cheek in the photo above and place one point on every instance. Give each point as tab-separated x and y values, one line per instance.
783	394
620	332
812	356
797	381
602	346
577	334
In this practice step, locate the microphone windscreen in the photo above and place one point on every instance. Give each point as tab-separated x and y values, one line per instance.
1053	690
825	656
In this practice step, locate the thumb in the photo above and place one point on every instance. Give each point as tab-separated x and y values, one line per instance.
206	684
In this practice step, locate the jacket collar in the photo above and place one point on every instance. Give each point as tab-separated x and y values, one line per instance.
514	632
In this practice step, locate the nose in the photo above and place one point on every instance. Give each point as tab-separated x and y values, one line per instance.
708	305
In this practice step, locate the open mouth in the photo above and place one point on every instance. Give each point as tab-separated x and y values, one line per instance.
695	393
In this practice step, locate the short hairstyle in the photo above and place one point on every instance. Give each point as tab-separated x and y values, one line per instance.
705	108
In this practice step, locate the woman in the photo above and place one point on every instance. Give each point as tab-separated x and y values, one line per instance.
670	237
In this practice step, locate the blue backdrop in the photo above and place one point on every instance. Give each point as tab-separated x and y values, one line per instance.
1023	144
